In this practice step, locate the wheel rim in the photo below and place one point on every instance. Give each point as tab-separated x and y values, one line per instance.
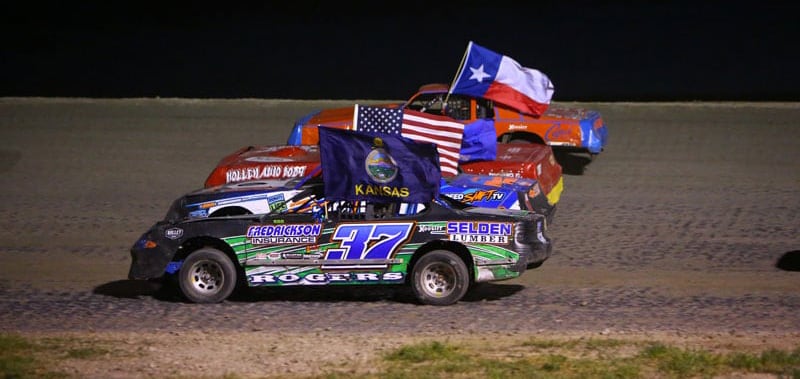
206	277
438	279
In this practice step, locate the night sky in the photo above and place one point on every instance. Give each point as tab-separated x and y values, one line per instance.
592	51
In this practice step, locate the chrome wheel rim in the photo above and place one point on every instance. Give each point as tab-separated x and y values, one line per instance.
206	277
438	280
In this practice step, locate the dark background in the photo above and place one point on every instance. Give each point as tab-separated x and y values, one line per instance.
592	51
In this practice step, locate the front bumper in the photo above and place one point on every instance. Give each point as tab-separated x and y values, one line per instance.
150	256
148	263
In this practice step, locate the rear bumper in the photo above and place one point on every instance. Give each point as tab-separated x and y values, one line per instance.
495	272
533	242
594	134
540	253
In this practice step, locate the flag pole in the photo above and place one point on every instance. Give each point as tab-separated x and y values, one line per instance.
355	118
458	73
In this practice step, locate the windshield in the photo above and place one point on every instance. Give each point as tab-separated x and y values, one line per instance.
457	106
310	196
427	102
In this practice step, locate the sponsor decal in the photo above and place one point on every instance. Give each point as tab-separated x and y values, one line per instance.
264	172
270	256
201	213
505	174
369	241
322	278
479	232
432	229
173	233
557	131
517	127
277	201
283	234
478	196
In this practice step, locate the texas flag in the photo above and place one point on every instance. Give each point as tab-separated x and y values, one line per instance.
497	77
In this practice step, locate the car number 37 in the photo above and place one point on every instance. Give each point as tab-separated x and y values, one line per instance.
357	241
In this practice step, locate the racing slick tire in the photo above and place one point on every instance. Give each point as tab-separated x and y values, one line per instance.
207	276
439	277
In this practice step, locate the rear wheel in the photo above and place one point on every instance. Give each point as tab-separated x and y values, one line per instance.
207	276
440	278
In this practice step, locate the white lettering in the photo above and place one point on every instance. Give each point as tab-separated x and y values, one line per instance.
289	278
282	240
393	276
293	171
263	279
324	278
367	276
339	277
316	278
477	238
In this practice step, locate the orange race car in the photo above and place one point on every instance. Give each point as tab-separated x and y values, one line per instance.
571	129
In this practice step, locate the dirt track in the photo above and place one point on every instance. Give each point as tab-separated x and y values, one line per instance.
676	228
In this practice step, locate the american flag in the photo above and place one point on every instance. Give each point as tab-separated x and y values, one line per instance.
443	131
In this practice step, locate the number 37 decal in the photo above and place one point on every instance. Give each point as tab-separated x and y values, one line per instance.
369	241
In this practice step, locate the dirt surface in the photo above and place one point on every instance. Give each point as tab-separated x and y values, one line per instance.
686	228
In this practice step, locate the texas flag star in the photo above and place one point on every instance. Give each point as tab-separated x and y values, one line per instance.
478	74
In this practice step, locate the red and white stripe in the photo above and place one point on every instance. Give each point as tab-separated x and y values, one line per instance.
444	131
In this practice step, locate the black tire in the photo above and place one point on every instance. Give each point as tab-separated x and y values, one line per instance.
439	277
521	138
520	141
207	276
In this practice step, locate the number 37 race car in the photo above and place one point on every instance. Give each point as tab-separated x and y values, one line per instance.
382	227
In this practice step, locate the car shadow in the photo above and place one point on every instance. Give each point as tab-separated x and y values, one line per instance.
789	261
365	293
491	291
134	289
324	294
128	289
572	163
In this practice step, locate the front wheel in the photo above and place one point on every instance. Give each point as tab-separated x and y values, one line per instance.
440	278
207	276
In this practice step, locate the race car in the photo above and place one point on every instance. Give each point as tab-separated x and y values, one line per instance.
439	248
569	129
522	177
263	196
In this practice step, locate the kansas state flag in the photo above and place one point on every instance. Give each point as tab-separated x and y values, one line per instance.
384	168
497	77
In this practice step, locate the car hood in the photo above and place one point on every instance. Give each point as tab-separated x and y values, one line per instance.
265	163
338	117
563	112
